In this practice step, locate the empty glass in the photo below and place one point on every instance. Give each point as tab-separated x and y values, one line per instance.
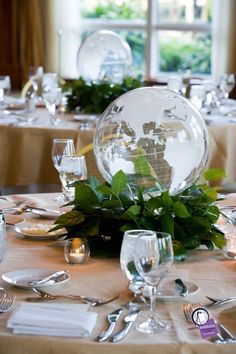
175	83
130	239
197	95
3	237
52	99
153	257
227	82
5	87
61	147
72	169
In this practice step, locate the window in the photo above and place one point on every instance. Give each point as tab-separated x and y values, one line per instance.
165	36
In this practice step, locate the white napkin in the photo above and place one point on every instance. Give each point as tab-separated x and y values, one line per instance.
70	320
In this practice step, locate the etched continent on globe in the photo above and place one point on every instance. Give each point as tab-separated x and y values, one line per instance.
156	137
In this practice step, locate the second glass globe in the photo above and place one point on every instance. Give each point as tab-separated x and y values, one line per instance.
157	137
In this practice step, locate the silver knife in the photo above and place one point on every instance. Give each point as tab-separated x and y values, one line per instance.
129	320
184	291
112	319
52	278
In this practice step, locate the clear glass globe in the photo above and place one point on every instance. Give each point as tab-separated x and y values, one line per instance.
157	137
104	56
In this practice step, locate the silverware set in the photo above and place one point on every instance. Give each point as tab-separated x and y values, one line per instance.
112	320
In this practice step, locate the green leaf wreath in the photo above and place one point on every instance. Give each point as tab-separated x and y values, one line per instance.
102	212
95	97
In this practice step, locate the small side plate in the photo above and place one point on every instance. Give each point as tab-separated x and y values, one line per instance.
39	232
21	278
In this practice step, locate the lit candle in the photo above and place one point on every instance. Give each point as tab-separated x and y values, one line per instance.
76	257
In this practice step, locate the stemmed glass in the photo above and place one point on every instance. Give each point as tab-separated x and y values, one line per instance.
153	259
72	169
61	147
5	87
52	99
130	239
227	83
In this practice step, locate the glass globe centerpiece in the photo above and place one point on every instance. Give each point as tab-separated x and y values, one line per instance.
104	55
157	137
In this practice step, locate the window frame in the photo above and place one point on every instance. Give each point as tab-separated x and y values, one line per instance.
151	26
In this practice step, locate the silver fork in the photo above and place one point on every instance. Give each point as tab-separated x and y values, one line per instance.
6	302
219	302
85	299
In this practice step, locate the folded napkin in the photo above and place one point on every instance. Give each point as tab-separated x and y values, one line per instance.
69	320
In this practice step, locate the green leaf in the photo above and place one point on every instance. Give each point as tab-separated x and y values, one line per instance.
180	210
167	223
105	189
214	174
134	210
127	226
85	198
70	218
154	204
112	203
213	213
94	184
119	182
166	200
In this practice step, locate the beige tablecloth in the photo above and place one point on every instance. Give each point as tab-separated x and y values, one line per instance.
25	151
210	271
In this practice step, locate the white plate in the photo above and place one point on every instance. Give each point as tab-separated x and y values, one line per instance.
170	290
46	214
21	278
13	219
39	231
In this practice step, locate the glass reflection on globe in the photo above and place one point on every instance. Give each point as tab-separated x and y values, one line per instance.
157	137
104	56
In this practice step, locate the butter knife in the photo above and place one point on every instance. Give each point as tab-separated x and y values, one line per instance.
112	319
184	289
128	320
52	278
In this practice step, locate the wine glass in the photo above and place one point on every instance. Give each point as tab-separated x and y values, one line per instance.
52	99
227	82
128	267
5	87
61	147
197	95
72	169
153	258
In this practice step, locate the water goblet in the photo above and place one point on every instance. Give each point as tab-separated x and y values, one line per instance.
128	267
153	257
227	82
52	99
197	95
5	87
61	147
72	169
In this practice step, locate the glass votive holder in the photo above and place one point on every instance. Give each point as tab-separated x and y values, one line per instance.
76	251
230	246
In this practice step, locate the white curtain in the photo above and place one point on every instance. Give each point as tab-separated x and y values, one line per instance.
62	36
223	34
